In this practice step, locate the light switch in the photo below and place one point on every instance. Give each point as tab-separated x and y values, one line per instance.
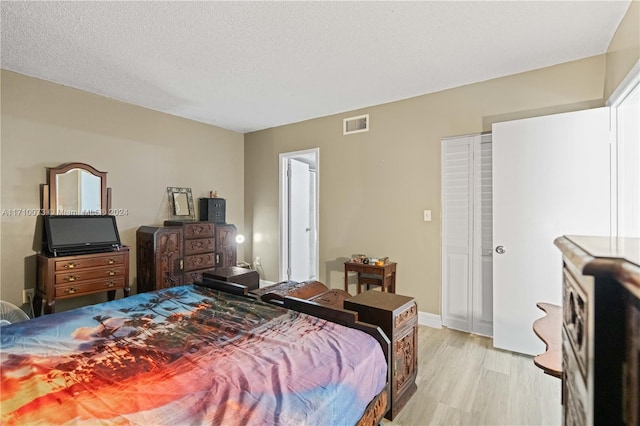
427	215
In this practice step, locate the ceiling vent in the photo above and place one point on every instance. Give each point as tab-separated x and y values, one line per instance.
355	124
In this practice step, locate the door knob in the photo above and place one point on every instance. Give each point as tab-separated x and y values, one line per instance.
500	250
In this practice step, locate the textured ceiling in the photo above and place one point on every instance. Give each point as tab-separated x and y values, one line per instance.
247	66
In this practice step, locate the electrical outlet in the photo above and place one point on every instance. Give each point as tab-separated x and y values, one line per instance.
27	295
427	215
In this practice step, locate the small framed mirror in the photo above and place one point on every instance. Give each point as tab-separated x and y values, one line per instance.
181	204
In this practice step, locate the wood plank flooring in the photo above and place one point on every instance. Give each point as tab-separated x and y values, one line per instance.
463	380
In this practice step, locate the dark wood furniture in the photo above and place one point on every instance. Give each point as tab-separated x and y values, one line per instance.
180	252
386	275
159	257
233	274
64	277
397	316
199	252
313	291
226	247
601	289
631	380
548	329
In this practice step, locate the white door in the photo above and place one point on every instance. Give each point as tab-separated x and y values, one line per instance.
466	234
299	203
550	178
299	220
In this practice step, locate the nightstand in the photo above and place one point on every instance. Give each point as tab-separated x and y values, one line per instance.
397	316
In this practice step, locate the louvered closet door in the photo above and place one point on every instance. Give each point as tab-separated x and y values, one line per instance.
467	297
457	219
482	286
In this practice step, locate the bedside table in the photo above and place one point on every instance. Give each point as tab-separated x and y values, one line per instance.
397	316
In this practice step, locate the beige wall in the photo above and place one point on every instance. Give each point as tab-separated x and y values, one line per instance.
624	50
143	151
375	185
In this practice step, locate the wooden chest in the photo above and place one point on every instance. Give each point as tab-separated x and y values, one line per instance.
234	274
397	316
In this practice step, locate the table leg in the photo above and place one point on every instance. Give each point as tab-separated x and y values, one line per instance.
359	287
346	280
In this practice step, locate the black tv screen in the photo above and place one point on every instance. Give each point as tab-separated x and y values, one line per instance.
76	234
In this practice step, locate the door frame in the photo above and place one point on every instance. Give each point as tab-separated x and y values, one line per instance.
475	281
624	89
311	157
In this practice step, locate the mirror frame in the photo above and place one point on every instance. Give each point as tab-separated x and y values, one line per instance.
171	192
49	192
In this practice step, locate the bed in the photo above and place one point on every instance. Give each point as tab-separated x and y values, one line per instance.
193	355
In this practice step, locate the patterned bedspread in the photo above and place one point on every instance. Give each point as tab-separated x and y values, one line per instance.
186	355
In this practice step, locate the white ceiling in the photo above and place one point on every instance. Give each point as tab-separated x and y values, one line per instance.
248	66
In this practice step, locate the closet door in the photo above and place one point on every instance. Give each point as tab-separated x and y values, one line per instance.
457	231
482	285
467	234
550	178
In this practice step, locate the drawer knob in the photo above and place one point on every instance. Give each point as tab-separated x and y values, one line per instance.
70	265
70	290
111	273
110	262
110	284
71	278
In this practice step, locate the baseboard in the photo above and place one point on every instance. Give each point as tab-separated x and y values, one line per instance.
430	320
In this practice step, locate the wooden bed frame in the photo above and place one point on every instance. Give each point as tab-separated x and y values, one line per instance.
379	406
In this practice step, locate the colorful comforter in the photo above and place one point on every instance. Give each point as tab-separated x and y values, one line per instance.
186	355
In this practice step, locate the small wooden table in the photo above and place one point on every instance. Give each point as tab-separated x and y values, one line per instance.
387	274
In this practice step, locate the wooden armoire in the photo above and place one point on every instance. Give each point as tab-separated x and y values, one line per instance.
179	252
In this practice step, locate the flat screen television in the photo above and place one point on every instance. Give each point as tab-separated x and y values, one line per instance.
77	234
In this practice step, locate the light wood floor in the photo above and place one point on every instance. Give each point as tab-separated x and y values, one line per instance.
463	380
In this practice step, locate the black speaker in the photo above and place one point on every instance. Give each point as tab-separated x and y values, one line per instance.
213	209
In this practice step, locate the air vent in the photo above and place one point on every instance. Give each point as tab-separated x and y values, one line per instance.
355	124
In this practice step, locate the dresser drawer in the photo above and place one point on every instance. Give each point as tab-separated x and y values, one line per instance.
404	317
200	245
90	262
199	261
73	276
193	276
198	230
86	287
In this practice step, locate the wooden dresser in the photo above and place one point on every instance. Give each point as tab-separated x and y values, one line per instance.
64	277
199	248
179	252
397	316
600	331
